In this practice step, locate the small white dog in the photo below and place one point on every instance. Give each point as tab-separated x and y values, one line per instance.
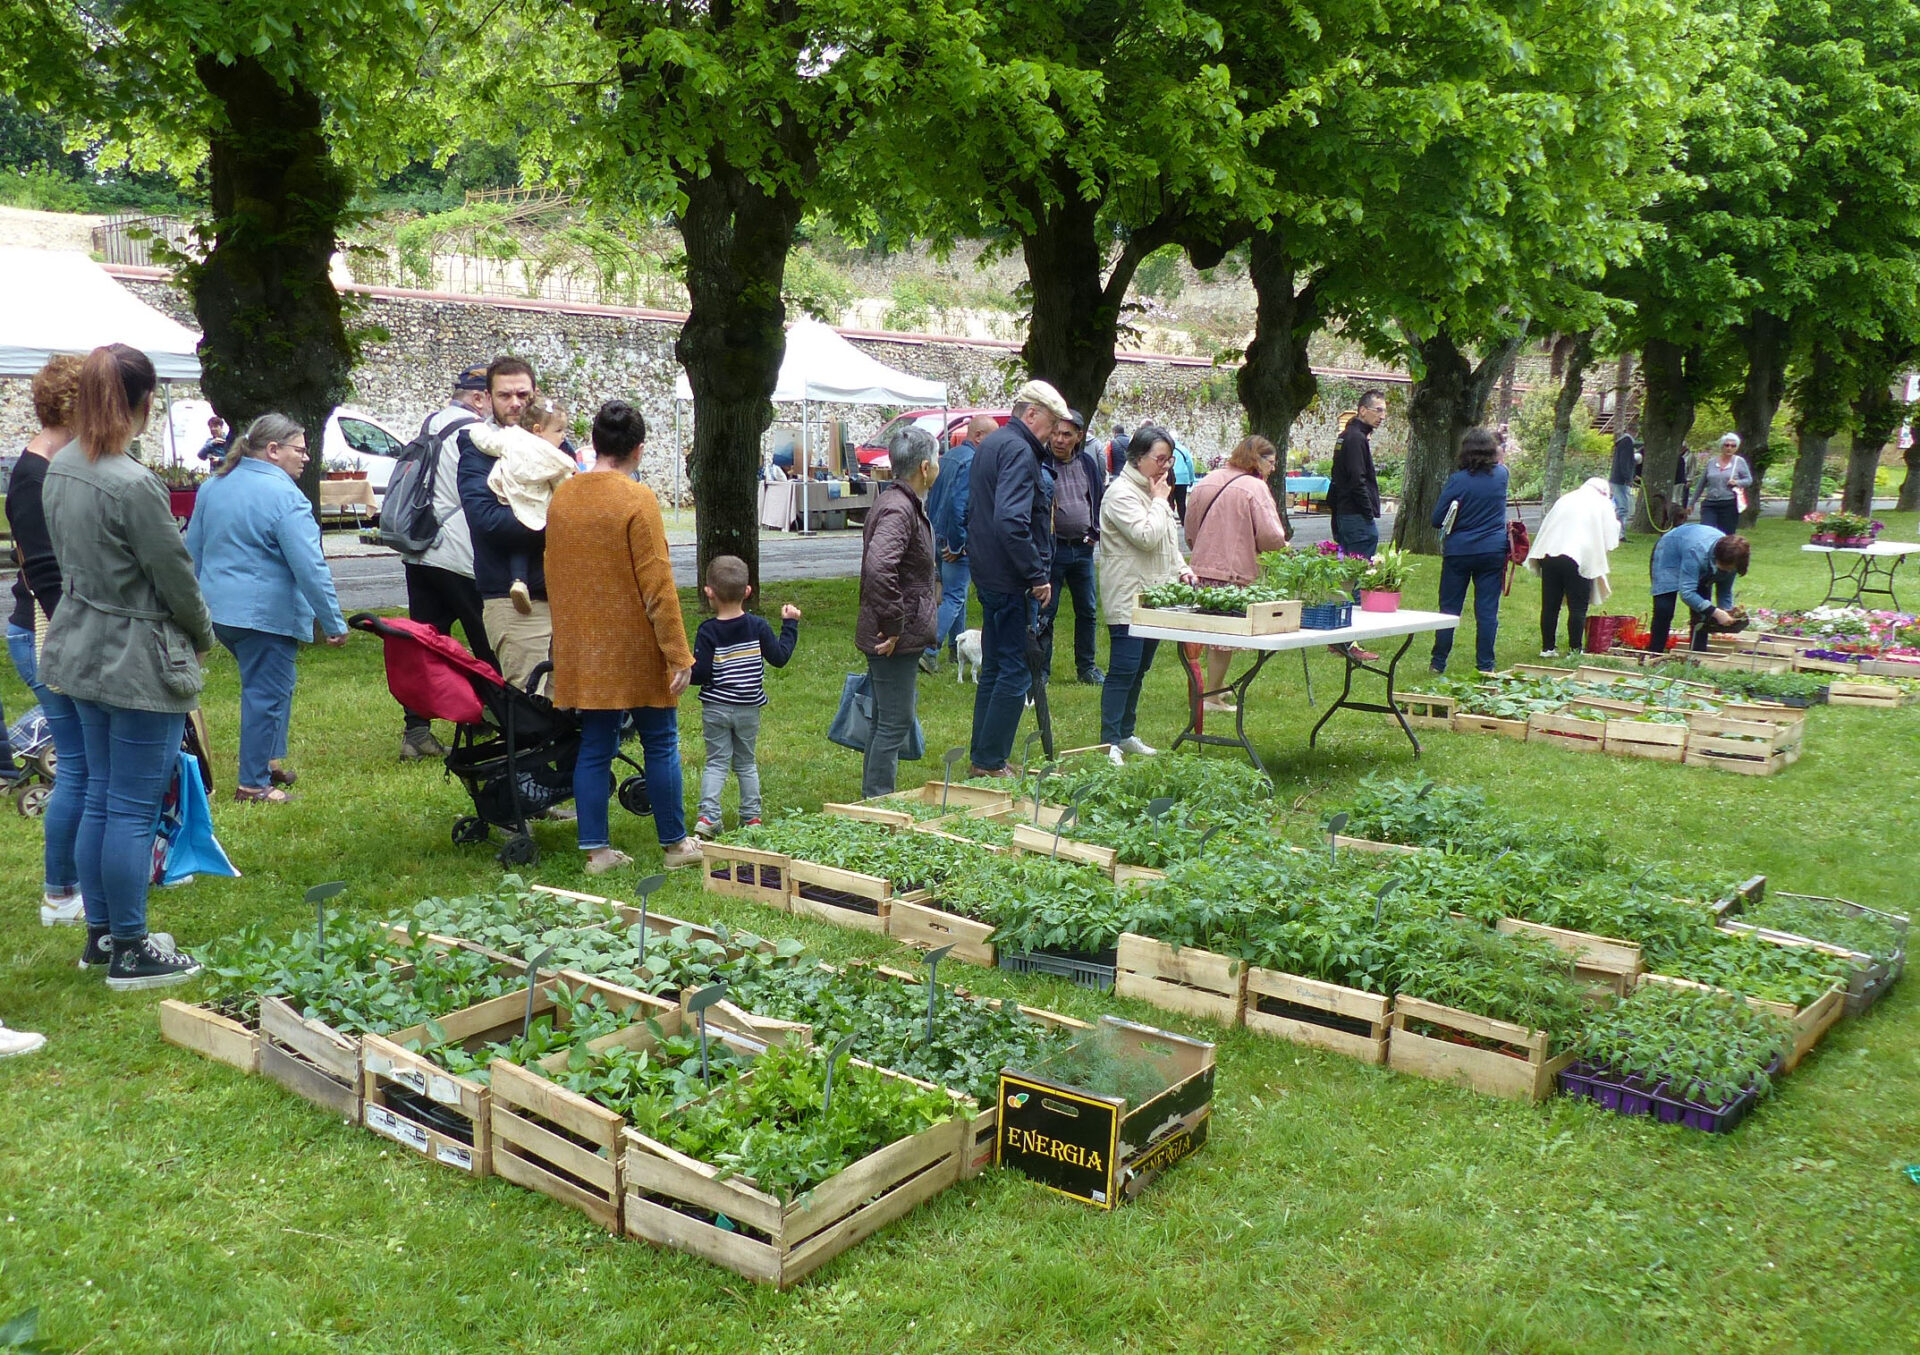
967	647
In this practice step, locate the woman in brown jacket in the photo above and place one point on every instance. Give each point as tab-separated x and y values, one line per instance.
899	598
619	643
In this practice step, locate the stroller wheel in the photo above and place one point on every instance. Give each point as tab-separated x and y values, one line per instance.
520	850
47	762
634	798
31	801
469	830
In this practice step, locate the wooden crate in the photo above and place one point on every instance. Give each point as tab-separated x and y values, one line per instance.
310	1059
1749	747
1706	691
1742	661
1136	876
926	926
1262	618
1521	1068
1313	1012
1602	961
1810	1023
1906	668
1567	731
1464	723
1039	841
1805	663
846	898
1184	979
1364	844
963	797
206	1032
1867	694
1869	979
1645	738
746	873
671	1200
1426	711
567	1146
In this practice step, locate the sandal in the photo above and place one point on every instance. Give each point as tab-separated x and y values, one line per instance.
272	795
280	776
614	861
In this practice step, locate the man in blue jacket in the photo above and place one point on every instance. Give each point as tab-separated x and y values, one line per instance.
947	509
1078	486
520	643
1010	549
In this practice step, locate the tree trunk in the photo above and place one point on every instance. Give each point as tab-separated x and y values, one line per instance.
1626	413
1809	468
274	337
1275	382
1579	354
1673	379
1909	501
1765	339
1821	405
1875	416
1450	397
737	238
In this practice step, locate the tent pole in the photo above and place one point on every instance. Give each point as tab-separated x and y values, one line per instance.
806	476
172	445
679	457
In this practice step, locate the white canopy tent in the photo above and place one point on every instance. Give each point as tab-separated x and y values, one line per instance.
61	301
821	367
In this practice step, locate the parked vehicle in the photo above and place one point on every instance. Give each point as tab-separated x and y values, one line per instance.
873	451
353	440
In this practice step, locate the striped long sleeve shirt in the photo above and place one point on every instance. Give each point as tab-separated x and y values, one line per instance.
728	654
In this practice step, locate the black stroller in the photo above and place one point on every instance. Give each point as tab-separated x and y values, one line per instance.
513	750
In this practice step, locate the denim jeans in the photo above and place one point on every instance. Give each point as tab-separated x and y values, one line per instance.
1357	535
1484	570
659	729
129	761
732	733
1725	515
1128	660
61	821
895	693
1073	573
955	575
1622	501
266	697
1004	677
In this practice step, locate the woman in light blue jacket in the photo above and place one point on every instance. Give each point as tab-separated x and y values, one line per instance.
256	547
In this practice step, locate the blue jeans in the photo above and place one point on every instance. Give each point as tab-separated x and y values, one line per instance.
266	697
1128	660
1622	501
955	575
61	821
1357	535
896	691
1004	677
1725	515
659	728
130	759
1073	572
1485	572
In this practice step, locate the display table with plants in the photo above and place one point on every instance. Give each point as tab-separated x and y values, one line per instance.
1871	564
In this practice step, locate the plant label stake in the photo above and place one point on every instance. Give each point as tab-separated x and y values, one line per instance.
1205	838
952	756
698	1004
1159	806
1039	777
318	896
1072	815
1380	900
1335	826
826	1097
533	986
1026	750
647	885
934	957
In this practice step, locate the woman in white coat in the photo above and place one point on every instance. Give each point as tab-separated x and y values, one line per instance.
1570	556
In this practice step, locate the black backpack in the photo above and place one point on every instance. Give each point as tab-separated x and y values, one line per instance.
408	522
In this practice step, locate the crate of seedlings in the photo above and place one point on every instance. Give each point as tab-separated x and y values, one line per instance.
1217	611
1101	1118
1870	943
1314	1012
746	873
226	1031
1658	735
1750	747
1577	729
426	1087
777	1170
1497	1058
1680	1055
1181	979
1808	1022
1885	693
927	926
1425	710
1611	966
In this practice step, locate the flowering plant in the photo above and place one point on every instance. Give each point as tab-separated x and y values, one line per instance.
1387	572
1844	526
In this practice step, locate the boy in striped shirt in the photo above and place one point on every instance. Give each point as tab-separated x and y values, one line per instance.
728	653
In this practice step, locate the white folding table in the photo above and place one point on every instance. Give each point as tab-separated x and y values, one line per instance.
1881	559
1366	626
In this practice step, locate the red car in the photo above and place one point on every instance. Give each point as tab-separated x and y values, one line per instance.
873	451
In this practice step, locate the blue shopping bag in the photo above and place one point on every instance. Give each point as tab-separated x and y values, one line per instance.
852	725
185	846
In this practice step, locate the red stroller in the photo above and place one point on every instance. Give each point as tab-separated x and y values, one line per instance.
513	750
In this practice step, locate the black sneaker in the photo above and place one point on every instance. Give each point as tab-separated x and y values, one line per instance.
98	950
1093	677
151	962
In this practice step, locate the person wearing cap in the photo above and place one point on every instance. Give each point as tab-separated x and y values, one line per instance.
1077	489
1010	548
440	586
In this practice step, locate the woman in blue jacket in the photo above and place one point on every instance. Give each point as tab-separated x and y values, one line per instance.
1686	562
1475	548
256	547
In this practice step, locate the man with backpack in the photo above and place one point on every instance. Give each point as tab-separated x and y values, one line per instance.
424	506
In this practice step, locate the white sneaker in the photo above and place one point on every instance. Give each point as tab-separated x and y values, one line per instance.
1549	653
685	852
1113	755
68	912
1132	744
18	1042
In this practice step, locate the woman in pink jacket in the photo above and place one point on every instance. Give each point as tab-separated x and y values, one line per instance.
1231	519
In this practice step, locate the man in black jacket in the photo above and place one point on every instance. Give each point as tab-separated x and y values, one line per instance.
1626	465
520	643
1010	548
1078	486
1354	496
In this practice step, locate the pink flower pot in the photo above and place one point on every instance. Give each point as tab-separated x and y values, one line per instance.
1373	601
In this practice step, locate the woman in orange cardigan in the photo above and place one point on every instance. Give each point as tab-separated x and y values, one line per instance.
619	643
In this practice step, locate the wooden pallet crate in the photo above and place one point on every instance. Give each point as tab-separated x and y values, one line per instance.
1810	1023
1037	841
978	798
1869	978
1426	711
1742	661
925	925
1867	694
310	1059
746	873
1313	1012
1806	663
567	1146
845	898
206	1031
1262	618
1604	962
1750	747
1464	723
1568	732
1906	668
1647	739
672	1200
1364	844
1496	1058
1182	979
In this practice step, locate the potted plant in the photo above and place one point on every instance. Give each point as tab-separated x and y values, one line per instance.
1385	577
1322	579
1846	530
340	469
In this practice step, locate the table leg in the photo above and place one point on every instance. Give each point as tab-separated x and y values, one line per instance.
1871	568
1196	711
1833	582
1346	702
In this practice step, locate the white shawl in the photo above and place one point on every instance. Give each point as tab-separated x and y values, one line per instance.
1581	525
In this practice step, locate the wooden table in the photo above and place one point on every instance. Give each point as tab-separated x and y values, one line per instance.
1880	560
1367	626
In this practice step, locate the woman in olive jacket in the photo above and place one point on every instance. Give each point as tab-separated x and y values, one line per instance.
899	601
125	647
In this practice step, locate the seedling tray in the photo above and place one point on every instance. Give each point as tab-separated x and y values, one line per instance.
1085	969
746	873
205	1030
1261	618
1313	1012
1810	1023
1497	1058
1869	978
1185	979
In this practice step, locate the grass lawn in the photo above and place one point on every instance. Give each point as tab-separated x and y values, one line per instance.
154	1201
